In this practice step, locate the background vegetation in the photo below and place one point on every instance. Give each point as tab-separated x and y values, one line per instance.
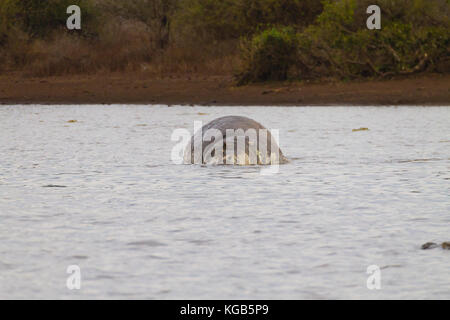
255	40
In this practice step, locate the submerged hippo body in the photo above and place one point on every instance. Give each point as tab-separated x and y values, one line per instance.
233	140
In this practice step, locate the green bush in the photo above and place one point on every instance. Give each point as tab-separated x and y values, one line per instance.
6	22
268	55
414	37
255	14
208	19
231	19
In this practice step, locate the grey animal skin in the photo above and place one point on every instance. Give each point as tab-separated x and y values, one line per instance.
256	152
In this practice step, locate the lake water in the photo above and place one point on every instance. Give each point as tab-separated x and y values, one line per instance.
102	193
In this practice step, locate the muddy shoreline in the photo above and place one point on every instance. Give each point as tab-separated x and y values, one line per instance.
143	89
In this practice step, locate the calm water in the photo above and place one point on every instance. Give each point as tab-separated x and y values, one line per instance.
140	226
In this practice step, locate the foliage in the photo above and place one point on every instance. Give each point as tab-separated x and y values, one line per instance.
414	37
155	14
268	55
269	39
231	19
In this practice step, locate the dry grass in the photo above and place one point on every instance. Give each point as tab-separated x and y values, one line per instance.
119	48
122	46
202	59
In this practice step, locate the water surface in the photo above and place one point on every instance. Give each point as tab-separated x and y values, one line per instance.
102	193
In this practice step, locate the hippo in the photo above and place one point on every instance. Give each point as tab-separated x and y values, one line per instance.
233	140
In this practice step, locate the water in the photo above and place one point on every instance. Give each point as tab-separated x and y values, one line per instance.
103	194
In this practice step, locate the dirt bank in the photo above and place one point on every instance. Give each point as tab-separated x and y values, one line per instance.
141	89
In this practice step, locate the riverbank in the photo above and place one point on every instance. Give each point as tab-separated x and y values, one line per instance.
141	89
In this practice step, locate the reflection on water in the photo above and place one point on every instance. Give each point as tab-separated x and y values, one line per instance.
101	192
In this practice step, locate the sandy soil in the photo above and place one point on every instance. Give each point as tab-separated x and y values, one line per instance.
141	89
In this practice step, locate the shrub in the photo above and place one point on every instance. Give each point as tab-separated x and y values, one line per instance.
414	37
156	15
261	13
231	19
120	47
268	55
207	19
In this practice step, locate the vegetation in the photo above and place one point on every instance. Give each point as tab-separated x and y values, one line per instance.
269	55
414	37
256	40
231	19
40	18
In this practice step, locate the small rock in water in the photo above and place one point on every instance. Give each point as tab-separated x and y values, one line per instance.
429	245
432	245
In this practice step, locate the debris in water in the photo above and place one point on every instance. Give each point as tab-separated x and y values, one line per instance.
53	186
72	121
146	243
432	245
360	129
429	245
